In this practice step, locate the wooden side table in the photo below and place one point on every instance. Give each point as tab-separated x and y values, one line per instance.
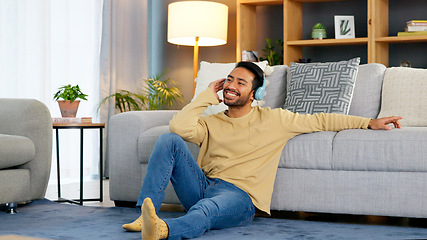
80	126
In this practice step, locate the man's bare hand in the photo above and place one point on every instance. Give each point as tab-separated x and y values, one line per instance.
217	86
383	123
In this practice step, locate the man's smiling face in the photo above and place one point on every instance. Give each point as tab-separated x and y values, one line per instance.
238	87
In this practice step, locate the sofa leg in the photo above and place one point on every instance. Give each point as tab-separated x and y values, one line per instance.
125	204
11	208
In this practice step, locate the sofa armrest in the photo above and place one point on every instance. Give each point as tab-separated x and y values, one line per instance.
30	118
122	149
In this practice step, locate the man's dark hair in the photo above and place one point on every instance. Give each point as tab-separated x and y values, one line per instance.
257	71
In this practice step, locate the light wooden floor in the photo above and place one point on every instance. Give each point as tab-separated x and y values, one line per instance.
90	190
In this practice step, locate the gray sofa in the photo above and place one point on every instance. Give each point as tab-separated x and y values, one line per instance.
362	172
25	150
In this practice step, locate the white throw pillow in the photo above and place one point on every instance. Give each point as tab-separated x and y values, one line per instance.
404	94
210	72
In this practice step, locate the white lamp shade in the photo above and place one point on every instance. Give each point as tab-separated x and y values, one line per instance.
190	19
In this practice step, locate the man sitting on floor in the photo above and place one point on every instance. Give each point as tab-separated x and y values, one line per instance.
239	154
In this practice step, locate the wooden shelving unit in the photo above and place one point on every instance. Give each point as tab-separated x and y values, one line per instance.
265	2
403	39
377	41
328	42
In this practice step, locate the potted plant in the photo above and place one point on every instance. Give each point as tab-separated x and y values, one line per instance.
155	94
273	57
69	103
319	31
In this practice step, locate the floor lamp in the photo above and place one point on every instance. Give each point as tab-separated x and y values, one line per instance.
197	23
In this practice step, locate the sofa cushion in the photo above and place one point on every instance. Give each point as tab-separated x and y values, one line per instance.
404	95
366	100
398	150
321	87
276	89
148	139
15	150
308	151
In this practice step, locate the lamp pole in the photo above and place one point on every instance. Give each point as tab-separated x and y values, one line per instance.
195	62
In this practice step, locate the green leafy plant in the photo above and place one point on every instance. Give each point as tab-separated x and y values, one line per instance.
344	29
154	95
318	26
273	57
69	92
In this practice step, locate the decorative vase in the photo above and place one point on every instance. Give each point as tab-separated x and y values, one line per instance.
68	108
318	34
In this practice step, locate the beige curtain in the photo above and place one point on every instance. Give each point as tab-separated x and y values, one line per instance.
124	52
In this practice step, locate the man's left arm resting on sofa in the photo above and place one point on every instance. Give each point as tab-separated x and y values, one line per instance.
300	123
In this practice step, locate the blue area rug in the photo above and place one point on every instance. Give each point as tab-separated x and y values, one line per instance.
47	219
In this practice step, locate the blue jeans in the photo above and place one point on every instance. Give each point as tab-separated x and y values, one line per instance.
210	203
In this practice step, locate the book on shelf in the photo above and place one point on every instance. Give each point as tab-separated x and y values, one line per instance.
412	33
416	28
416	23
72	120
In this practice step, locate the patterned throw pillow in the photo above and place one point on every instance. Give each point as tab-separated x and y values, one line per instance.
321	87
404	94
